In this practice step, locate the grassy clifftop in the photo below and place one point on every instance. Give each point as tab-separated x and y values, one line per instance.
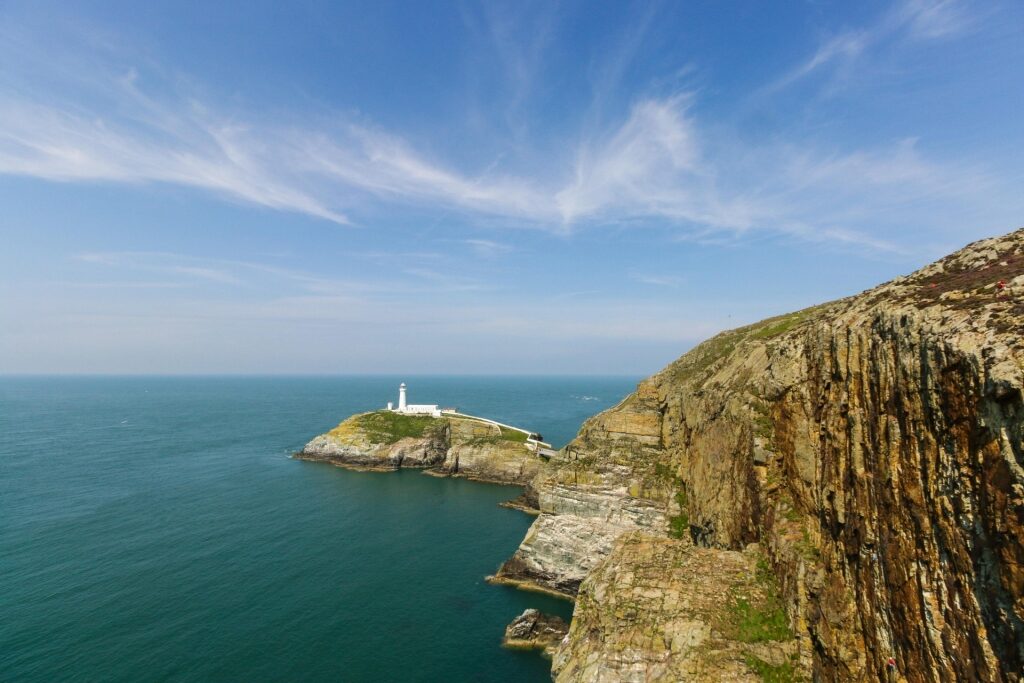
388	427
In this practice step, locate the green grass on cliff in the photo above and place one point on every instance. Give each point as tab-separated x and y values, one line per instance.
388	427
706	354
513	435
769	673
780	325
758	616
697	361
758	621
679	524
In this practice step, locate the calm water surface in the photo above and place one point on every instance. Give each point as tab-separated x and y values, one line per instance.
156	529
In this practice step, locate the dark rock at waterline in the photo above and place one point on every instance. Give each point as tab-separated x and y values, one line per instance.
534	630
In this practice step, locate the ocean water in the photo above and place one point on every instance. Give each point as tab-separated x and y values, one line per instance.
155	529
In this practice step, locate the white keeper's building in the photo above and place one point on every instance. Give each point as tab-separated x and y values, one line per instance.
412	409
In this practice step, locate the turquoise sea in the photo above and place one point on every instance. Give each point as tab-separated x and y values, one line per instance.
155	529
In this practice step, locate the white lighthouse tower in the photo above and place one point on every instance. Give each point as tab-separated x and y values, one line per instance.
410	409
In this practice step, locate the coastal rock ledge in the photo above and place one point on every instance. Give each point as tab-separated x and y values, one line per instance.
447	446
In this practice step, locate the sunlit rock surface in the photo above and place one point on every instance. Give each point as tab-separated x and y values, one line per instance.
871	446
445	445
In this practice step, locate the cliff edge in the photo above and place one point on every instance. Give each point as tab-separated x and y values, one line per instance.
872	448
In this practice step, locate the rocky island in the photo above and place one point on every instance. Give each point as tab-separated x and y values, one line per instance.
836	494
447	445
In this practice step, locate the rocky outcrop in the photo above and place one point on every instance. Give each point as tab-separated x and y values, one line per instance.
604	484
534	630
447	445
873	447
659	609
476	452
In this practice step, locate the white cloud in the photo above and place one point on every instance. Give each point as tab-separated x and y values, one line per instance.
907	20
385	165
659	164
186	148
648	166
654	166
931	19
165	264
408	276
845	46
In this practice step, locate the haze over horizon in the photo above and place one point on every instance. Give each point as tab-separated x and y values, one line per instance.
480	188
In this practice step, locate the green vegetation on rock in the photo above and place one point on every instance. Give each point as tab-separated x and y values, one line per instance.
770	673
513	435
808	550
758	617
762	419
755	622
780	325
705	355
387	427
680	524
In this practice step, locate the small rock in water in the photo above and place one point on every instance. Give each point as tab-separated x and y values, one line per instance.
534	630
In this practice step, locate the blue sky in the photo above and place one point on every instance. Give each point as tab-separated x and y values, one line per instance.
432	187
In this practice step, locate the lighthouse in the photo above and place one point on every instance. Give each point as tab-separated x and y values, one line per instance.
410	409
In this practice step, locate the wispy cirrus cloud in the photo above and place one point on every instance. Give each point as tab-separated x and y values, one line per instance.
930	19
645	166
909	19
659	163
402	279
167	264
186	146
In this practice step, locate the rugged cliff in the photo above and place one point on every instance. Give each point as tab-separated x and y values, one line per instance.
447	445
872	447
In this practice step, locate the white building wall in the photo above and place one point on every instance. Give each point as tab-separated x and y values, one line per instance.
422	409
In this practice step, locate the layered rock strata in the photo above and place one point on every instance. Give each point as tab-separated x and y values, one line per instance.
659	609
873	447
604	484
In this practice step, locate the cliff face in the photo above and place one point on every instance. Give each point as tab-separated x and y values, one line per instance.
446	445
604	484
662	609
873	448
